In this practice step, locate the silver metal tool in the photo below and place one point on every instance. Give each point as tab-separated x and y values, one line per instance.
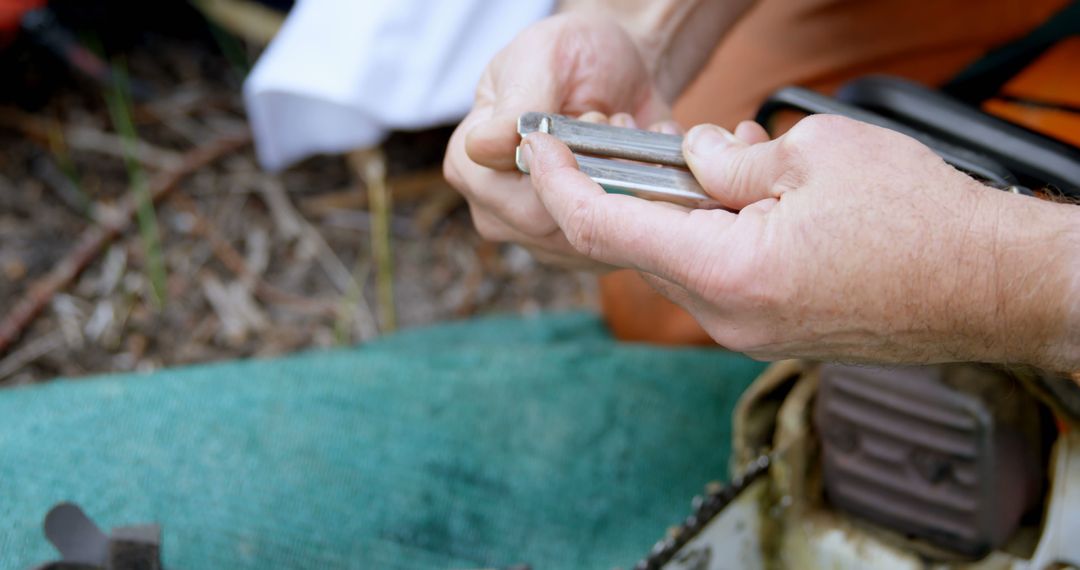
628	161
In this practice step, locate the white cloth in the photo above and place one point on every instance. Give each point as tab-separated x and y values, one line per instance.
342	73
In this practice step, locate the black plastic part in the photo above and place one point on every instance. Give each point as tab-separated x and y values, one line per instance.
985	78
807	101
135	548
1036	160
83	546
75	536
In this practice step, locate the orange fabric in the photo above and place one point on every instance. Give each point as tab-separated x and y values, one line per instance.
1052	79
636	312
1063	125
823	43
818	44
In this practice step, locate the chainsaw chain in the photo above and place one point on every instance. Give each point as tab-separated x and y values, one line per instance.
705	509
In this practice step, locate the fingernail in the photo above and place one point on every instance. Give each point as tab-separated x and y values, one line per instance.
593	117
623	120
707	139
668	128
525	154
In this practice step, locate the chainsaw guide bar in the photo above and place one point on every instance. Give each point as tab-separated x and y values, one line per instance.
706	509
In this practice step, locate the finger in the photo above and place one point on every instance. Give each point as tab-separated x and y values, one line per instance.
617	229
491	141
505	92
506	196
730	170
510	198
667	127
759	208
751	132
594	117
552	249
623	120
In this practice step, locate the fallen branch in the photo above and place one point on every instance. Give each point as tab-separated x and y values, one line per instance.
95	238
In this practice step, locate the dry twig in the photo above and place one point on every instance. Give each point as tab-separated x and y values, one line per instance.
293	224
232	302
32	351
88	139
95	238
235	262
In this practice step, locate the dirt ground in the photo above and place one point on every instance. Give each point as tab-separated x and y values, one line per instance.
248	264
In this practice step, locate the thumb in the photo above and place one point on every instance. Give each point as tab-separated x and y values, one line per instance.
492	142
730	170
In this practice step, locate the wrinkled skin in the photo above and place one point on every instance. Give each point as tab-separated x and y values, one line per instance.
567	64
840	241
843	241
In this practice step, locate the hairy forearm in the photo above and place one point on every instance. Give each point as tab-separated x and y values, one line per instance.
675	37
1037	283
1060	244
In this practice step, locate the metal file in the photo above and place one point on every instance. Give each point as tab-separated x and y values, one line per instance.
629	161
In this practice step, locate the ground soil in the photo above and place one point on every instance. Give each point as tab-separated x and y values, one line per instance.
255	264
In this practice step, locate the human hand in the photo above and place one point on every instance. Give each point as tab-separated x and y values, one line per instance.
566	64
850	242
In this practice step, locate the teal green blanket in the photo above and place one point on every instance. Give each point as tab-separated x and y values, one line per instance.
478	444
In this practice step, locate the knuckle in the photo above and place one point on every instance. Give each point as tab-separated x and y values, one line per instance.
581	227
817	130
795	147
826	125
452	173
453	177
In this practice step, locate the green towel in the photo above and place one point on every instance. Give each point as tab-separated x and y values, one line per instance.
478	444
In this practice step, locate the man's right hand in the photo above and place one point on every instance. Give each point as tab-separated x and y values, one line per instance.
841	241
567	64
